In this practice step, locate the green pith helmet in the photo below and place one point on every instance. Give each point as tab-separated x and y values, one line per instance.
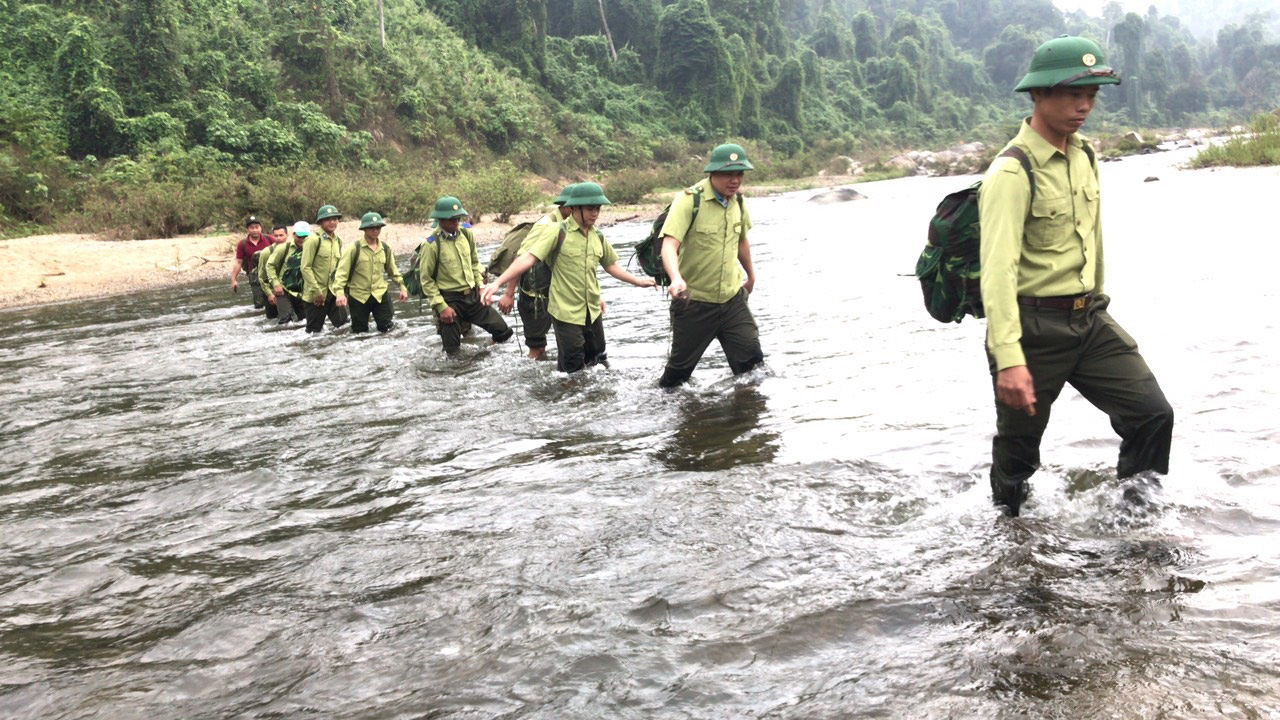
1068	61
564	195
326	212
371	220
447	208
587	193
728	158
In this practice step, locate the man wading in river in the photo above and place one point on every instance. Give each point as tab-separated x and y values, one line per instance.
573	251
451	275
532	305
1047	320
279	235
701	255
361	279
320	255
289	304
245	251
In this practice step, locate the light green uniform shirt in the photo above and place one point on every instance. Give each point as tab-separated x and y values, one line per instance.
362	271
275	265
1052	248
320	252
708	252
548	224
264	280
448	264
574	296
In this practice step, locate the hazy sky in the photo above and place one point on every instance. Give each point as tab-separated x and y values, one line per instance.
1094	7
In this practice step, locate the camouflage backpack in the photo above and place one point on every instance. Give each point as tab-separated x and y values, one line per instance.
950	267
291	275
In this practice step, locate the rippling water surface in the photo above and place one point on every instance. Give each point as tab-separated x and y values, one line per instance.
204	517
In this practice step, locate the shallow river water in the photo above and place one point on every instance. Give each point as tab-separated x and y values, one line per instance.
203	517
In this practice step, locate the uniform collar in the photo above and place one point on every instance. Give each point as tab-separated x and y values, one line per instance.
571	225
1041	150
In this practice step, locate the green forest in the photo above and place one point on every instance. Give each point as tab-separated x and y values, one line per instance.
153	117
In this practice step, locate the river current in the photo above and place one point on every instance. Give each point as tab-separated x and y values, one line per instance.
204	517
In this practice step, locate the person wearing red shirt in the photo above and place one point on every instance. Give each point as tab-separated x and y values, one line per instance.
244	259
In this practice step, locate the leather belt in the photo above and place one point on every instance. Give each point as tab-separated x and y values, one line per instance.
1059	302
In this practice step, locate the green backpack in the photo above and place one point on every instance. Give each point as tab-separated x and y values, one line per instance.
649	250
509	250
291	278
412	280
950	267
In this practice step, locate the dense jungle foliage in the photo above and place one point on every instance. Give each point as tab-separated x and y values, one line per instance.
166	116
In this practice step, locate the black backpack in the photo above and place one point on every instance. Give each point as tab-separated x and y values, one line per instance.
537	279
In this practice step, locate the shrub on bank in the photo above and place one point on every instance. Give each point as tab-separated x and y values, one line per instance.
1261	146
628	187
498	190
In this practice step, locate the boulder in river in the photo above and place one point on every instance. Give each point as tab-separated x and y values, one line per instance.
837	195
1152	178
903	163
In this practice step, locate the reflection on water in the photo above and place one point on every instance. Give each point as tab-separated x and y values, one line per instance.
205	518
720	432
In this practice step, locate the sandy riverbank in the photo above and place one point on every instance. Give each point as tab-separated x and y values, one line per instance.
53	268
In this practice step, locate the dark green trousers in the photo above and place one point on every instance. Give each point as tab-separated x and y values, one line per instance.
535	318
695	324
471	311
579	346
1088	349
382	311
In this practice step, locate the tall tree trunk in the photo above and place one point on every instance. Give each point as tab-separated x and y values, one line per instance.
382	24
613	52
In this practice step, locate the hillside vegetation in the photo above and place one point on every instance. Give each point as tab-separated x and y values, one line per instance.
155	117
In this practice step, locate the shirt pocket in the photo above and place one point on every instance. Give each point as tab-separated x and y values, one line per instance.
1050	221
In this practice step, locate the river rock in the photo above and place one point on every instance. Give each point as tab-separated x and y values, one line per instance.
903	163
1133	135
1152	178
837	195
972	148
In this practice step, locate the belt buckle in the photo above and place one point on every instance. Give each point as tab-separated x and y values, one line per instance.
1079	303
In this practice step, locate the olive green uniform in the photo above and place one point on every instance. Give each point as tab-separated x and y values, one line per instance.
362	276
261	280
532	305
320	253
717	305
450	272
1042	288
573	299
289	305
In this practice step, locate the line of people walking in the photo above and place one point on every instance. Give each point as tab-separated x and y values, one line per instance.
1041	279
305	273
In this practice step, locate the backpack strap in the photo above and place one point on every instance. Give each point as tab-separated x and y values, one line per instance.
1093	159
1018	154
555	251
355	257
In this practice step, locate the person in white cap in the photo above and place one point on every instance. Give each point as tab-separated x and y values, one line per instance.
285	275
